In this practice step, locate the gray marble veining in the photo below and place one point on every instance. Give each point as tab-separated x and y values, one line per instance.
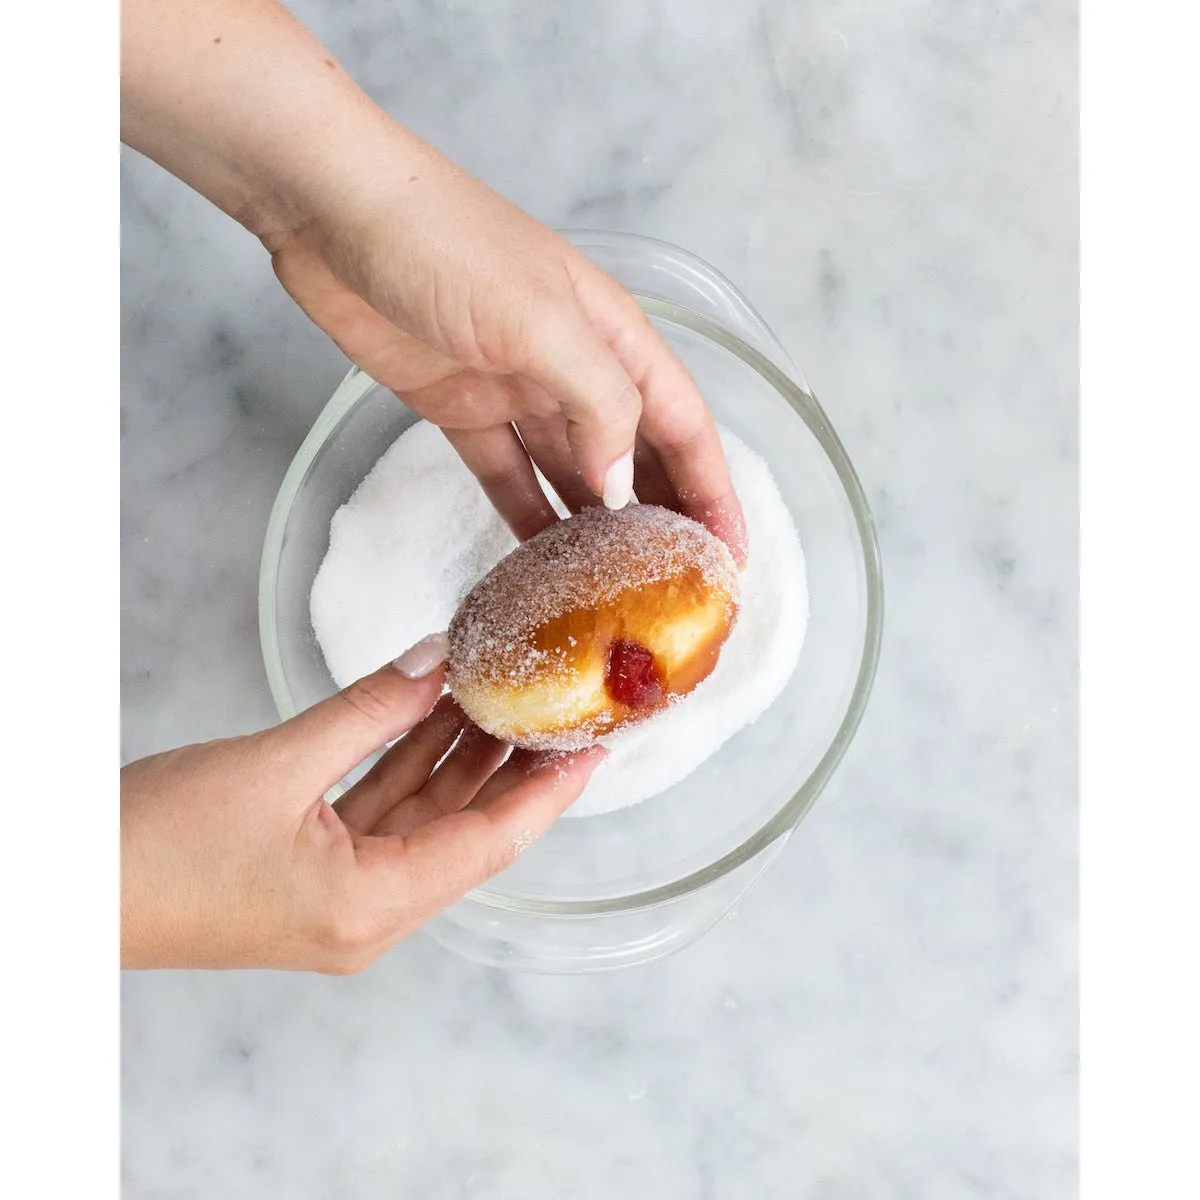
891	1013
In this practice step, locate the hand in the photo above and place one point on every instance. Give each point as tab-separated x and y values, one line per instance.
481	319
497	329
232	858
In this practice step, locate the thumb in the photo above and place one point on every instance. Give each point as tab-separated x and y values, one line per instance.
335	735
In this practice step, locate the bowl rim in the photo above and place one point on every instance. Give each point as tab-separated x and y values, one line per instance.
357	385
667	253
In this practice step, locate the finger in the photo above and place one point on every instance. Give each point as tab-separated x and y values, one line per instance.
335	735
545	440
598	398
446	858
404	769
501	463
453	785
675	421
650	482
694	462
472	763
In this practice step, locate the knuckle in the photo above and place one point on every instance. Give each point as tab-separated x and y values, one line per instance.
688	438
509	338
338	940
503	476
616	416
340	967
345	934
626	404
525	331
498	859
500	855
369	699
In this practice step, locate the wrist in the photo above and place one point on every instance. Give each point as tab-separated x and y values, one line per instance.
242	103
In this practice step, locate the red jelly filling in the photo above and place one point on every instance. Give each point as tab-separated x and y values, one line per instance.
632	676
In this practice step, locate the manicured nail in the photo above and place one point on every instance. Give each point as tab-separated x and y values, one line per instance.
427	655
618	482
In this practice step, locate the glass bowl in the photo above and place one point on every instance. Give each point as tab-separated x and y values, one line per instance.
610	891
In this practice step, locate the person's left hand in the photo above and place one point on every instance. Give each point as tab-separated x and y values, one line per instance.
231	857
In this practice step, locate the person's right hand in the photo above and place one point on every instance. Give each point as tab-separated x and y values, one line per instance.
480	318
525	352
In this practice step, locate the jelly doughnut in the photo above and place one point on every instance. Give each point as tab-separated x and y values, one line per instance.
596	623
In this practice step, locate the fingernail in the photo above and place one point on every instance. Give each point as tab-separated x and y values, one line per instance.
618	482
427	655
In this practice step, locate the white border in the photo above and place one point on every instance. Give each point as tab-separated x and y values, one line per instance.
1141	456
59	499
1141	534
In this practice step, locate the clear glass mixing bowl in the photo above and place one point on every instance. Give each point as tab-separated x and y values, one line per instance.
599	893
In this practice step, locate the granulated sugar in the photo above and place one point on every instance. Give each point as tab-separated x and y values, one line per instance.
419	532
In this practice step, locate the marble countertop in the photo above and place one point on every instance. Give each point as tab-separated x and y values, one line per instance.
891	1013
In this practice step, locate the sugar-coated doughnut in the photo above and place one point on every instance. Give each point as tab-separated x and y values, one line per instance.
596	623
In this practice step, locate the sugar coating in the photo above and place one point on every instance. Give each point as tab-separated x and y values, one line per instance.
589	560
419	533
